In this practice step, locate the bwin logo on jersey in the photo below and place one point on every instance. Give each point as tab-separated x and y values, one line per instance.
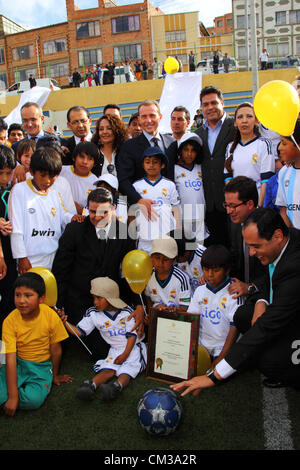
214	316
196	185
43	233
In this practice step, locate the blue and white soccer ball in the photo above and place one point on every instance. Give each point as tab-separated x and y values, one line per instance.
159	411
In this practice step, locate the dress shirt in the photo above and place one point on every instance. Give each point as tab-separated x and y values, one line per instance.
213	133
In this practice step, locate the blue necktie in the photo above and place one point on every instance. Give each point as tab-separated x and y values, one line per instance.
271	271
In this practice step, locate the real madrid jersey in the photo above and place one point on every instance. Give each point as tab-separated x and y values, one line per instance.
193	266
174	291
288	194
189	185
216	309
113	326
253	159
81	186
38	217
163	192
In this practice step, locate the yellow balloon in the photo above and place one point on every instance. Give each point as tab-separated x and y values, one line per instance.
171	65
204	361
50	283
137	269
277	106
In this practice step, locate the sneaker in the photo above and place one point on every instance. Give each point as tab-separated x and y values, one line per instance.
110	391
86	391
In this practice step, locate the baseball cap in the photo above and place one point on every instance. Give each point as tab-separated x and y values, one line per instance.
109	179
154	152
109	289
166	246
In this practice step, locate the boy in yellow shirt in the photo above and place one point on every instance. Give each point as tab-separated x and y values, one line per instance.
31	337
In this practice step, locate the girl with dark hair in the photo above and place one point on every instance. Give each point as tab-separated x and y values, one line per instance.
109	135
249	154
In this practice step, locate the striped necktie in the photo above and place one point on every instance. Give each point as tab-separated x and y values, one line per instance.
271	271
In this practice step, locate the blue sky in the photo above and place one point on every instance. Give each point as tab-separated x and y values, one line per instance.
35	13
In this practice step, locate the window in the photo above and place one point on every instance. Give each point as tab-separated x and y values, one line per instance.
124	24
219	23
89	57
280	17
229	21
183	58
294	16
172	36
22	75
24	52
86	30
241	23
130	51
2	59
3	81
278	50
57	45
57	70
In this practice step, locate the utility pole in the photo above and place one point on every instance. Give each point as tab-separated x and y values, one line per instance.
254	62
247	35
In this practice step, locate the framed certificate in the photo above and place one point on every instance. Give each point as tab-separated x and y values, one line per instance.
172	345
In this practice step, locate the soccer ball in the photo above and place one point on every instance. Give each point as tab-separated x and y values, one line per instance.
159	411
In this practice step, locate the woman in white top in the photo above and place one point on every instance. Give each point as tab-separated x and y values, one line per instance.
109	135
249	154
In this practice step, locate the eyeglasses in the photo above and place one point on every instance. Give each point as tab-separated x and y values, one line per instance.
233	206
79	121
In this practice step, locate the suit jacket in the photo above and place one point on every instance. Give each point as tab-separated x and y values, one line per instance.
212	165
257	272
81	256
15	144
282	316
129	164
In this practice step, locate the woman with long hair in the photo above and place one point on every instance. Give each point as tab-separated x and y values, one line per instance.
249	154
109	135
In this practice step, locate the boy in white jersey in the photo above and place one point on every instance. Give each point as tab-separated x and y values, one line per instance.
79	175
213	303
37	213
127	354
163	192
169	286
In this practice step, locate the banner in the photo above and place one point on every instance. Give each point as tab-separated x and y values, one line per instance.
36	94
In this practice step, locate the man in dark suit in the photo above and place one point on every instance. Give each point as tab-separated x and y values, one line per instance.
216	132
129	166
79	122
93	248
271	330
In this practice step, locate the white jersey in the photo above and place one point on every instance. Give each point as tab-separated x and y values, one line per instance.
81	186
193	267
115	330
175	291
163	192
38	220
216	309
254	159
273	136
288	194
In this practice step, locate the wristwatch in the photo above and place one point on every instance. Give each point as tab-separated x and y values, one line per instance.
252	289
210	373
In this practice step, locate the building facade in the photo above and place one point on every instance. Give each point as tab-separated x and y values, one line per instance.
277	26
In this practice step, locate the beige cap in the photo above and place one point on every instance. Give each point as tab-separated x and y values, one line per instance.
109	289
166	246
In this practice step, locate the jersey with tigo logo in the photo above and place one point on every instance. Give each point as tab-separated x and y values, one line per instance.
193	266
190	188
174	291
113	326
216	309
288	194
164	194
253	159
39	217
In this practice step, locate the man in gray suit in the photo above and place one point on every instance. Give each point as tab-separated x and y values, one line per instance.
216	132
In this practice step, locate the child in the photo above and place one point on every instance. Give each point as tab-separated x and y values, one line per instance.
25	150
163	192
188	180
288	196
8	269
37	213
110	182
249	154
169	286
213	303
79	174
127	354
31	334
